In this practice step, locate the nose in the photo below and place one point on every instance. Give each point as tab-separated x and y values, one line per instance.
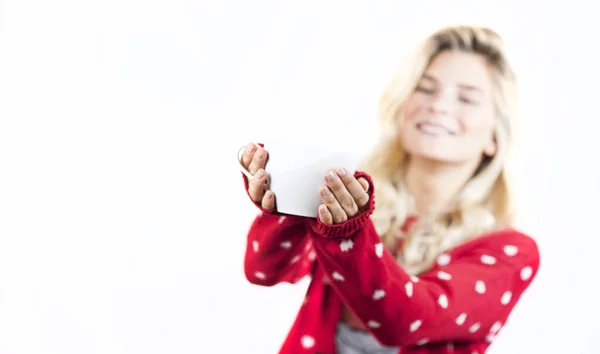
443	102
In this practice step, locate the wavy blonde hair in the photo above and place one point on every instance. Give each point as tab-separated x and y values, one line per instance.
485	201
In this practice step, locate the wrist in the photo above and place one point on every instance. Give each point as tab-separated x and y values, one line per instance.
352	225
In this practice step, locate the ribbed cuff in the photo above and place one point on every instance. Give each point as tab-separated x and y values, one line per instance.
352	225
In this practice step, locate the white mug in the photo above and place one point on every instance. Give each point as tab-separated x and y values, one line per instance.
296	172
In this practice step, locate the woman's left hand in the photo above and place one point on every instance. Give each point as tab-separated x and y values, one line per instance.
343	197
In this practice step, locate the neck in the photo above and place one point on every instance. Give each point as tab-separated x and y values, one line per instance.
434	184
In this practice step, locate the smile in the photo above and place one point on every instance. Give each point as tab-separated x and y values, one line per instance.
434	129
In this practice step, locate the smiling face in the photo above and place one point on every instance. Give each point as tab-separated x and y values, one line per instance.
450	116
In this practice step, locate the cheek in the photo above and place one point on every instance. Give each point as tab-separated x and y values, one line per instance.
477	127
413	107
478	132
477	121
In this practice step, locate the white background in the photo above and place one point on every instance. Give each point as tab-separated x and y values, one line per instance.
122	213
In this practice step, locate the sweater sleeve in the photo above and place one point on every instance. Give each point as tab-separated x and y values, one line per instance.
467	295
278	248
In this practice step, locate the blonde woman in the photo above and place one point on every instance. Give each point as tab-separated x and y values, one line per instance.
435	265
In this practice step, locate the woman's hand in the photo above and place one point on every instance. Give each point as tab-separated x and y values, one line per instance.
254	160
343	197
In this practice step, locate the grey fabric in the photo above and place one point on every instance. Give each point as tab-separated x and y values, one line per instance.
353	341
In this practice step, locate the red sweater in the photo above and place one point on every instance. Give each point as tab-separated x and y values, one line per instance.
458	306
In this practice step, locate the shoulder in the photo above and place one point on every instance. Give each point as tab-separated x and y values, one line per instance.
507	245
507	237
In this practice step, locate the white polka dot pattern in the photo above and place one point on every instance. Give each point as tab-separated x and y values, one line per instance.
422	341
308	245
346	245
307	342
511	250
496	327
460	320
443	259
379	250
526	273
408	287
464	286
444	276
378	294
415	325
443	301
337	276
487	259
373	324
505	300
480	287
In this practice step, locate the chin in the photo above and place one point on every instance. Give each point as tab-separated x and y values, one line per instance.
429	150
437	153
432	157
437	148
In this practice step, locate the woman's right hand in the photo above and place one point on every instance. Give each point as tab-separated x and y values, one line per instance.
254	160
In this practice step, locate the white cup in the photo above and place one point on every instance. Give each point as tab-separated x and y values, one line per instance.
296	173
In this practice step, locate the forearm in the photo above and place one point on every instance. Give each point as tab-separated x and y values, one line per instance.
278	250
467	299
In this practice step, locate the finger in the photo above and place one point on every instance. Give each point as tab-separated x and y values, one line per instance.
268	201
354	187
258	160
324	215
343	196
337	212
256	188
364	183
248	154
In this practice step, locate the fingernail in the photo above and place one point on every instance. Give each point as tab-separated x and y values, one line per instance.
322	208
258	174
342	172
269	194
251	148
325	192
330	177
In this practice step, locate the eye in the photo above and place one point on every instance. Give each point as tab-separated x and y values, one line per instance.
468	100
425	90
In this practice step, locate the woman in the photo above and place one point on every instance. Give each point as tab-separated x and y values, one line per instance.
435	267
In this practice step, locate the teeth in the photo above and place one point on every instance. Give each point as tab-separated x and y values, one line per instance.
433	129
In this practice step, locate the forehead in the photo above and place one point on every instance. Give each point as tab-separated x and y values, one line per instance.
460	68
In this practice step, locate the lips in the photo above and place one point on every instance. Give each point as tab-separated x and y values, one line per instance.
434	129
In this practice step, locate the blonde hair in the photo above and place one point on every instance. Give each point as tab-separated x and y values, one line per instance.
485	201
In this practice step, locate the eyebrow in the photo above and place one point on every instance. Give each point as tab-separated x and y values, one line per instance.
464	86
